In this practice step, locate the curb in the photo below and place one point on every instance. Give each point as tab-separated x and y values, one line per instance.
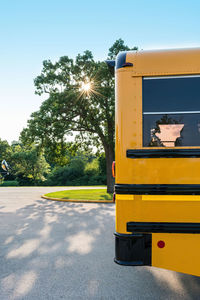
77	201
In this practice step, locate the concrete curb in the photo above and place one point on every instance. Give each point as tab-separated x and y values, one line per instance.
77	201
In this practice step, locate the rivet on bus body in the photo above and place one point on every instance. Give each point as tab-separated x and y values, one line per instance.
161	244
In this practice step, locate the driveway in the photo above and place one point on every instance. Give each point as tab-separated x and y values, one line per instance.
60	250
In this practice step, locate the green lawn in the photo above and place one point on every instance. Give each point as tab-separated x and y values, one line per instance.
97	194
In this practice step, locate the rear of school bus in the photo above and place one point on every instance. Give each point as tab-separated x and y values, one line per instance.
158	159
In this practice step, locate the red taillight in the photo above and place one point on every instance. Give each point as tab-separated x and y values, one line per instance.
113	169
161	244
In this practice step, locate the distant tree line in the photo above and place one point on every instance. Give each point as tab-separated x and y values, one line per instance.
32	167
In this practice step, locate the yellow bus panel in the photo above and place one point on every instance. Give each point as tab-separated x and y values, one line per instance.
157	160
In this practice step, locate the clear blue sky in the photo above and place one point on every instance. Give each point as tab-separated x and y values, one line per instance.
34	30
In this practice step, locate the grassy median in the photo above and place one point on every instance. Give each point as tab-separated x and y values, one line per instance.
85	194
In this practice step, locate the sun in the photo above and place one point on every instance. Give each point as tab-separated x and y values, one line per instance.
86	87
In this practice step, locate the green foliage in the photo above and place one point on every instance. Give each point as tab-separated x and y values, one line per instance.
29	166
117	47
78	172
92	166
5	150
5	153
10	183
60	154
102	164
66	175
70	109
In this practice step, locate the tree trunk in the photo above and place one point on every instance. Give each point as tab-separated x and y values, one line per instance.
110	157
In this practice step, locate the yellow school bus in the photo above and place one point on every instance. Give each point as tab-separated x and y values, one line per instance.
158	159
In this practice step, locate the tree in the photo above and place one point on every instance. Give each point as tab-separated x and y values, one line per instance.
29	165
5	153
5	150
117	47
80	99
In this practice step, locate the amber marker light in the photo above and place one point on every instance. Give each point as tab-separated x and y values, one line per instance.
113	169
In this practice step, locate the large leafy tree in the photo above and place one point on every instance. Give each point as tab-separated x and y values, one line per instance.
80	99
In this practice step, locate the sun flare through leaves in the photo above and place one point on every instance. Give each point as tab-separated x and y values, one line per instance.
89	88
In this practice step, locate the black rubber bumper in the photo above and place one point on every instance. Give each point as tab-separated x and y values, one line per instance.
133	249
158	189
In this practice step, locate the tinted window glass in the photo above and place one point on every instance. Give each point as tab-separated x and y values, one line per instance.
171	112
171	130
175	94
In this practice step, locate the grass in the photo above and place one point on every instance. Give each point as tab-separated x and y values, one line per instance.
92	194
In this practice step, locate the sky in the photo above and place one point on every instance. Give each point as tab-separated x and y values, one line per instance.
32	31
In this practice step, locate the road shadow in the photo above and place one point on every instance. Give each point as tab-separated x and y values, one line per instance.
62	250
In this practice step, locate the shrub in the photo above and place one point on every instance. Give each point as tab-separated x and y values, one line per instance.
10	183
77	173
67	174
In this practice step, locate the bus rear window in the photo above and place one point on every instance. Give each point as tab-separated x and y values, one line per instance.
171	111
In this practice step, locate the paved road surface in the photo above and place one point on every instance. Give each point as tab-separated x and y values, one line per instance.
56	250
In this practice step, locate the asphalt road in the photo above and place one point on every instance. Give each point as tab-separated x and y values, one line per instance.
60	250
